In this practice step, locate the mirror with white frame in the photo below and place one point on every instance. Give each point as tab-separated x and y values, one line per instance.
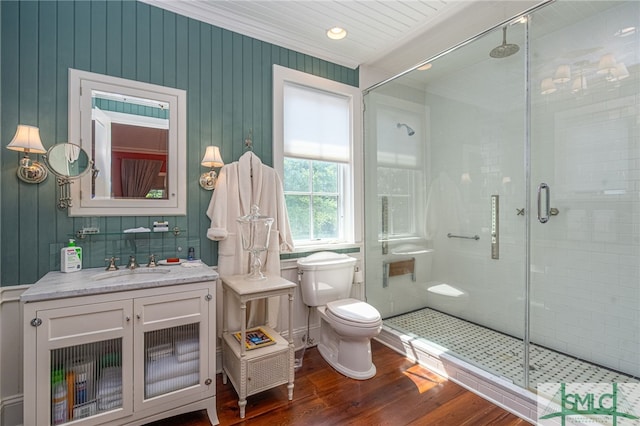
135	134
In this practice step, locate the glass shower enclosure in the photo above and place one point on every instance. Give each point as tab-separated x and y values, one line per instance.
503	197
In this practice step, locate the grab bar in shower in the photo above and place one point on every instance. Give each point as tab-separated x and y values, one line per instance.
475	237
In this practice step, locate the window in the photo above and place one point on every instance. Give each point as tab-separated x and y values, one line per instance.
316	133
397	202
313	198
396	132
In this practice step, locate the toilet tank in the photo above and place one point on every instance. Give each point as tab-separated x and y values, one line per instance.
325	276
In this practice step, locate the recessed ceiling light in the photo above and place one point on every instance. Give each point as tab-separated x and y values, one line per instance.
425	67
336	33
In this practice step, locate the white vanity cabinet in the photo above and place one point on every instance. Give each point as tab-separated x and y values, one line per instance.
130	356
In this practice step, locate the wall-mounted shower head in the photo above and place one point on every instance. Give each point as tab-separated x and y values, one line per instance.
410	131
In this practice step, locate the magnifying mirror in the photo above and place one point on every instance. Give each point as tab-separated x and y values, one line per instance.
67	161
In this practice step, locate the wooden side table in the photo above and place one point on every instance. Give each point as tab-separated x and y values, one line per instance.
254	370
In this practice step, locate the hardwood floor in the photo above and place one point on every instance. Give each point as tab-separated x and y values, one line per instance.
401	393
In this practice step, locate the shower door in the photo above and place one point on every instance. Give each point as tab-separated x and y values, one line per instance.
445	193
584	275
502	197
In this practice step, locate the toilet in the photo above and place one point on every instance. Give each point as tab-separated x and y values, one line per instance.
346	325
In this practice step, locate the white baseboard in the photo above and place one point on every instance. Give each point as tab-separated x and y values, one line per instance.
11	411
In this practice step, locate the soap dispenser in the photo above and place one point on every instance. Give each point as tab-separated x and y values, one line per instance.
71	257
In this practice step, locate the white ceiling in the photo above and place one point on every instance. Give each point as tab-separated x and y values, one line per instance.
375	27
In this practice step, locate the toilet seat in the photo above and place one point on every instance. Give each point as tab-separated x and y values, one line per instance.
353	312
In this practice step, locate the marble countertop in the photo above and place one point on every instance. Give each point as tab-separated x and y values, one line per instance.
57	285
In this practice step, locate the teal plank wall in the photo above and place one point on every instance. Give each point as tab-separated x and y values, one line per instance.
228	79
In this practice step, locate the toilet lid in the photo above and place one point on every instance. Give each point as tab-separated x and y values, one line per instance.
354	310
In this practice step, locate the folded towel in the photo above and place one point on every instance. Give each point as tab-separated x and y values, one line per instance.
109	392
110	382
188	356
111	372
186	346
110	398
169	385
159	351
192	264
135	230
109	405
168	368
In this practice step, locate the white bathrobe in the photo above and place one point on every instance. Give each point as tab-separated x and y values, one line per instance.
240	185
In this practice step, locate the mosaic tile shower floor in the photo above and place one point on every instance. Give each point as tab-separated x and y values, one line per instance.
499	353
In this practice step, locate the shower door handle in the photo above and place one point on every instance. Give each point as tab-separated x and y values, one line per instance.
544	187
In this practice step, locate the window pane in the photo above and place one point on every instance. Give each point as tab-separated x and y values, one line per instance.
299	211
400	221
399	180
397	185
325	177
384	181
325	216
296	175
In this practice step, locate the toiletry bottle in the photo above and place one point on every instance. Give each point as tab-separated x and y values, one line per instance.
81	388
70	394
59	398
71	257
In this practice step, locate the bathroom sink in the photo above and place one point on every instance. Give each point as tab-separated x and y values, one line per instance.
131	273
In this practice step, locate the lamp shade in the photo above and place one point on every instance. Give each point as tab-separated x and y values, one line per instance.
563	74
27	139
547	87
607	64
621	71
212	157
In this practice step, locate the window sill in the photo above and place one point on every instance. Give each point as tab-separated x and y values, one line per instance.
306	250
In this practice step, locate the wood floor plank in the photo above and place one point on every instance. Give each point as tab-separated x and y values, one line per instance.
401	393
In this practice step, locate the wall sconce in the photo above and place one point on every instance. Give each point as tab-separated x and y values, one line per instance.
211	159
27	140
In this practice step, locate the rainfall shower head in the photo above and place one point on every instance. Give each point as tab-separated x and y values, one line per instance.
410	131
505	49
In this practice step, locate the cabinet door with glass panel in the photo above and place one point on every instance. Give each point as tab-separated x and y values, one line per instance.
82	367
171	340
125	357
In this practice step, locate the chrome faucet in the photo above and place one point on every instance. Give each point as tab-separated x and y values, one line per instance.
132	263
152	261
112	264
